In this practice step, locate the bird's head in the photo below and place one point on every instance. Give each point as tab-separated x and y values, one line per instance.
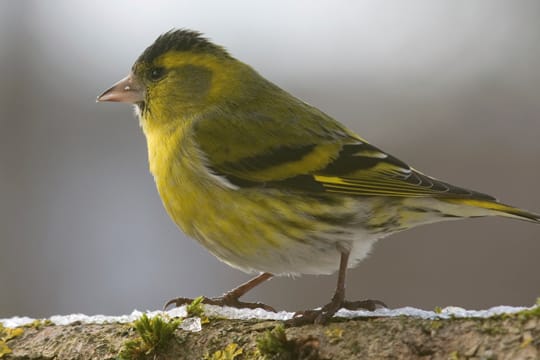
181	74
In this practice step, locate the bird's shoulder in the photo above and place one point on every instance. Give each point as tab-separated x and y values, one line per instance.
269	138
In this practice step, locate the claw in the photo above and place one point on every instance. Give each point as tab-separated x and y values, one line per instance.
220	301
230	298
322	316
177	302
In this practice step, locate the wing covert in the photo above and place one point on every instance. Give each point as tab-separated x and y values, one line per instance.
296	158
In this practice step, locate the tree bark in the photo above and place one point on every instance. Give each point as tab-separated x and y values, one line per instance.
503	337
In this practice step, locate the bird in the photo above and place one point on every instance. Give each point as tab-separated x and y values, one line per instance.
267	183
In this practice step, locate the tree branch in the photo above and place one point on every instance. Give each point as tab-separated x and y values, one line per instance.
515	336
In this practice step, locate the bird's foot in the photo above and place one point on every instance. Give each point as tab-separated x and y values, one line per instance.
323	315
225	300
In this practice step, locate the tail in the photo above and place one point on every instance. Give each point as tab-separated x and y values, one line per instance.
495	208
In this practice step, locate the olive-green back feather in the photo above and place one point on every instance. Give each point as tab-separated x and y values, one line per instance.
279	141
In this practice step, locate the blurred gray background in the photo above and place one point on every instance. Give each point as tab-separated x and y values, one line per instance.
452	87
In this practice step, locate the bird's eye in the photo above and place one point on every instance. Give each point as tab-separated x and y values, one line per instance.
156	73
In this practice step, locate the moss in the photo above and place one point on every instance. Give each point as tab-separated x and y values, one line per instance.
437	310
7	334
436	324
527	314
527	340
431	327
335	335
275	345
522	315
230	352
38	324
196	309
4	349
154	337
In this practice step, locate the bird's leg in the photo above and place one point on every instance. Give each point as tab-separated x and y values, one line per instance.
338	301
231	298
323	315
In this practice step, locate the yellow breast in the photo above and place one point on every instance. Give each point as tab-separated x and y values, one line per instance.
178	173
250	229
199	202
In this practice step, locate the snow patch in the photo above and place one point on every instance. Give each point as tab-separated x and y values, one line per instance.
194	324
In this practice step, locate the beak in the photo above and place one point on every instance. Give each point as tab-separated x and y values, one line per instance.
127	90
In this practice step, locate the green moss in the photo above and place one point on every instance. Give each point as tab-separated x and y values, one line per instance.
230	352
154	336
195	309
527	340
436	324
437	310
38	324
522	315
275	345
527	314
334	334
7	334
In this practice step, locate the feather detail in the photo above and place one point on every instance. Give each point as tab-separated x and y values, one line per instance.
498	208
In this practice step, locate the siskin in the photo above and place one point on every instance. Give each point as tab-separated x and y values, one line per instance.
268	183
